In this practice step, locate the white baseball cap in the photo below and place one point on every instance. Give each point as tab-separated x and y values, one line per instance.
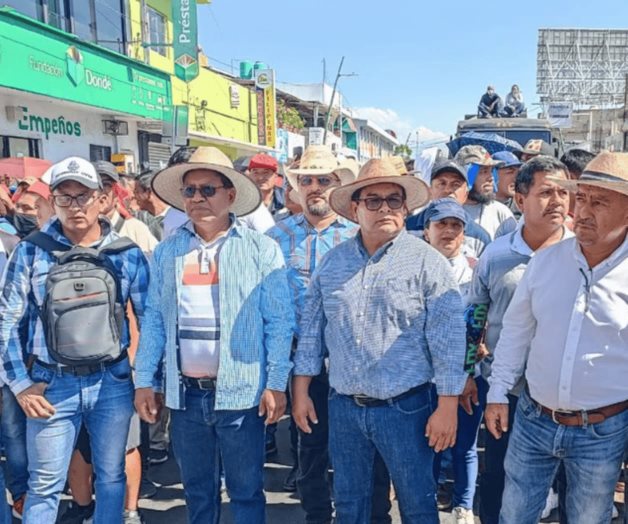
73	168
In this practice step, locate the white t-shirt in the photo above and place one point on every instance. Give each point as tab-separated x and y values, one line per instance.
491	216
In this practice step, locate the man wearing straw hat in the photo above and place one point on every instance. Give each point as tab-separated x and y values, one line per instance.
566	331
304	240
386	307
219	315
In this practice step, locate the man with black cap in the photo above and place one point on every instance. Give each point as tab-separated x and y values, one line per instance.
219	316
449	179
81	371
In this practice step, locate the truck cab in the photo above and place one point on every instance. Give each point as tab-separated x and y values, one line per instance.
518	129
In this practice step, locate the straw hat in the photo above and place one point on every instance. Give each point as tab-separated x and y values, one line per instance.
168	182
347	171
320	161
379	171
399	164
607	170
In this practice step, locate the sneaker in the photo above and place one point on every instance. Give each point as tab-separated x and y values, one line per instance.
147	489
443	498
550	505
157	456
133	517
463	515
18	507
290	484
76	514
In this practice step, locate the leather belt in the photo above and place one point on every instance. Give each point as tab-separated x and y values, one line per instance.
369	402
85	369
583	418
205	384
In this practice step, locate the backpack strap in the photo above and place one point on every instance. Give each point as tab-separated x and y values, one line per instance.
117	227
118	246
47	243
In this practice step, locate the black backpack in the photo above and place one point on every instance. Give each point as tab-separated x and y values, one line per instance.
83	314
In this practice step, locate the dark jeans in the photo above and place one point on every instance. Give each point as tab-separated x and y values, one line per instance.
492	480
14	441
313	477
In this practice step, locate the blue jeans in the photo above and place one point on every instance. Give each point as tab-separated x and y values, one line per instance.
5	510
200	435
465	452
13	425
492	479
397	432
592	456
103	401
313	478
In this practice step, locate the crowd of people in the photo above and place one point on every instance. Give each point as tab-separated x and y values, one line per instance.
191	308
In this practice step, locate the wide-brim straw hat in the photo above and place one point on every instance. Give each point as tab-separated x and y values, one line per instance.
347	172
607	170
168	182
379	171
320	161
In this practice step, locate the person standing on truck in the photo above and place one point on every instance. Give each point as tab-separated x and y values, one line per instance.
491	104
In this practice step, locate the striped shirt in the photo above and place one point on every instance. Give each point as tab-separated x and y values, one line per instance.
303	247
390	322
23	291
256	319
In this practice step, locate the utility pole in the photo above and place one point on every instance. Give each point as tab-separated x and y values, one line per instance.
331	102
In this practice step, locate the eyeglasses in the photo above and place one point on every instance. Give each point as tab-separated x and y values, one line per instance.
323	181
205	191
66	200
376	203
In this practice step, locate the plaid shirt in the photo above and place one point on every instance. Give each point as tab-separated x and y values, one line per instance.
23	290
390	322
303	246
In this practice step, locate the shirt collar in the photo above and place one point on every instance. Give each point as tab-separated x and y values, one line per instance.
340	222
189	226
55	230
391	245
520	246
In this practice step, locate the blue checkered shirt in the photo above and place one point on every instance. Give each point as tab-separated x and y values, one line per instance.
23	290
303	246
390	322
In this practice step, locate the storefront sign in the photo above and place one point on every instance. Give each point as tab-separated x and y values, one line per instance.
185	41
45	61
559	114
266	107
48	126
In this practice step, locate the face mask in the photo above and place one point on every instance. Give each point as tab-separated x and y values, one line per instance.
25	224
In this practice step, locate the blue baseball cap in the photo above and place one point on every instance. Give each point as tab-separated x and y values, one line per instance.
508	159
443	208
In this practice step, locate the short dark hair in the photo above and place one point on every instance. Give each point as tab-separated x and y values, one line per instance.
144	180
356	194
525	177
576	160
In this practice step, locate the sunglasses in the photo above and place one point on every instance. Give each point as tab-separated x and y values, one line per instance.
323	181
376	203
205	191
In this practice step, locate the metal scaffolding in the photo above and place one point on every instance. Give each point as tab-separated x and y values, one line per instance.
585	66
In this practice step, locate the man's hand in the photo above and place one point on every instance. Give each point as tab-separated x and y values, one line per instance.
496	416
273	405
482	353
441	426
469	396
33	402
148	404
303	412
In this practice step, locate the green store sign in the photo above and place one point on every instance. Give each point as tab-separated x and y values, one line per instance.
48	126
40	59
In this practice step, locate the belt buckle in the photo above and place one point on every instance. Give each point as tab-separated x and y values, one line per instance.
360	400
560	412
206	384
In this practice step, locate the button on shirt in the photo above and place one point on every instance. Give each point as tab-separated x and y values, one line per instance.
495	280
567	327
303	247
390	322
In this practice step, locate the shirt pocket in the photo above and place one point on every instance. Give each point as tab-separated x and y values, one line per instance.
403	301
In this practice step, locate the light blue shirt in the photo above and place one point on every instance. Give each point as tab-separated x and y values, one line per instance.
390	322
256	319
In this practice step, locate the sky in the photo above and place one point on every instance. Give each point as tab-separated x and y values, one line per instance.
420	65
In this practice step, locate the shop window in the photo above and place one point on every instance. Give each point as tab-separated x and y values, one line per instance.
101	21
97	153
11	146
157	27
32	8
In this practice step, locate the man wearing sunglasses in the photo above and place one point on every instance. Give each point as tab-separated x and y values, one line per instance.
386	307
56	396
304	240
219	317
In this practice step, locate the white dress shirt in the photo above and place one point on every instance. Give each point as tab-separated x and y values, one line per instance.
567	328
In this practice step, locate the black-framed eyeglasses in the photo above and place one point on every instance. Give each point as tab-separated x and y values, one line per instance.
323	181
66	200
376	203
205	191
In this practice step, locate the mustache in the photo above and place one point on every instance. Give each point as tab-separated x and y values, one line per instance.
557	209
585	222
